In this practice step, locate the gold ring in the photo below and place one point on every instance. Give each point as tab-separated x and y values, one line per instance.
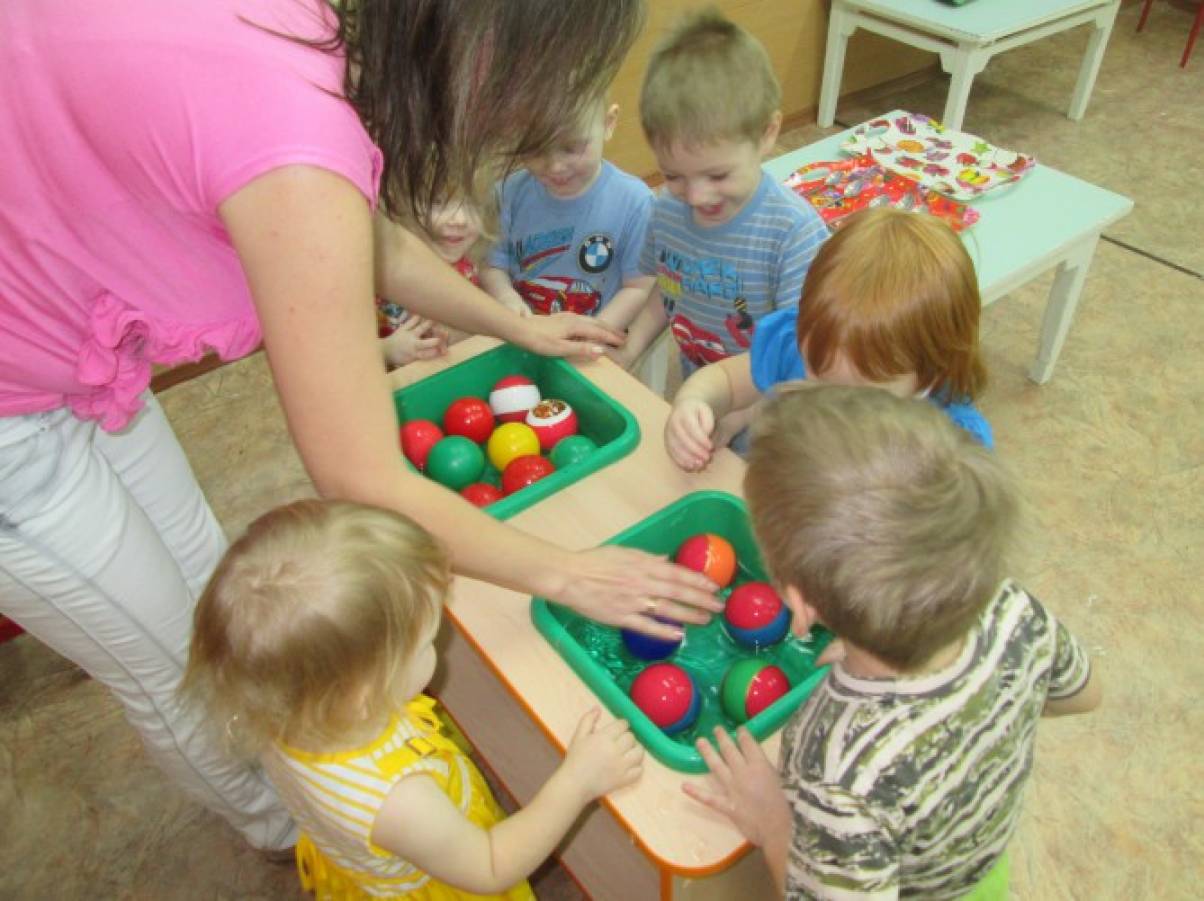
650	606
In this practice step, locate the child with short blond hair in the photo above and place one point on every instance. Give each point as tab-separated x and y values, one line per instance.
903	772
572	228
890	301
727	244
312	644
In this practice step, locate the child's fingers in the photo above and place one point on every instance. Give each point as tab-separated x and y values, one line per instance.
731	754
586	724
705	798
750	749
715	763
833	653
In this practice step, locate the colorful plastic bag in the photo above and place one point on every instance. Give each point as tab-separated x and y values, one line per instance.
958	165
836	188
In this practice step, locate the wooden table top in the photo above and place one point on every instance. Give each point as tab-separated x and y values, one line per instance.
671	828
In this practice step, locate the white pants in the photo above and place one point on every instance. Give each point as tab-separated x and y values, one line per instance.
106	541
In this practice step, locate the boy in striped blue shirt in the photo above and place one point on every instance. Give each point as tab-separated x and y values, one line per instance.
726	243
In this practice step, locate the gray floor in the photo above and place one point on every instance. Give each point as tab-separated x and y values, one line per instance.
1111	452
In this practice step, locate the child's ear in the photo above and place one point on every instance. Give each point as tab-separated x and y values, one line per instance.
804	616
611	120
770	136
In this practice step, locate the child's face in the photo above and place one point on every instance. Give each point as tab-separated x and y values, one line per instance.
454	229
716	180
569	169
841	371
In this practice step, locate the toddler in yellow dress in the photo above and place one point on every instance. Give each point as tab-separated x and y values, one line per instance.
312	644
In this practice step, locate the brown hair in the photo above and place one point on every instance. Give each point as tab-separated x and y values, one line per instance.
895	292
456	92
892	522
708	80
316	607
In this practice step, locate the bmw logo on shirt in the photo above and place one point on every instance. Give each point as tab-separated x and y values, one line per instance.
595	253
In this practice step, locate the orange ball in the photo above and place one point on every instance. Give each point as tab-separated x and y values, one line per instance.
710	554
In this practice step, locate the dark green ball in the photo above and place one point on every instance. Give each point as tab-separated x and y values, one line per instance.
571	450
455	461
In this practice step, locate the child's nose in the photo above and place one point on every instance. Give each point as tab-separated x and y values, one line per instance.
697	194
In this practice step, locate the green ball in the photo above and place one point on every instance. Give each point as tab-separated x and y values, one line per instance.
491	476
455	461
571	450
733	694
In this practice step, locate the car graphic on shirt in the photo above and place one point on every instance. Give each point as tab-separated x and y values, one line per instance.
697	344
558	294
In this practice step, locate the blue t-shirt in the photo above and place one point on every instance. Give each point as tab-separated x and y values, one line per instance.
775	358
716	283
571	255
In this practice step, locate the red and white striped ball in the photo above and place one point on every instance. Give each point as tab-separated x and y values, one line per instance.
512	397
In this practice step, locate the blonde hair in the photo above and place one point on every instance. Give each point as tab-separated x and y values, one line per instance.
897	294
313	610
708	80
892	522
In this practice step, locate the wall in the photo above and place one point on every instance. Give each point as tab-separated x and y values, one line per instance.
794	33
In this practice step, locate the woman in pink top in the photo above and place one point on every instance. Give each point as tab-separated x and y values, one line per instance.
215	173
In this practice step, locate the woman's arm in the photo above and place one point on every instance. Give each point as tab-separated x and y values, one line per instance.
411	274
304	236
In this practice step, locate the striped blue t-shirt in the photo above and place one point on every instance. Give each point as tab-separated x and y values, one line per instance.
716	283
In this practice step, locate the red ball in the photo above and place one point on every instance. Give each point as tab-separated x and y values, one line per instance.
552	420
418	436
523	471
470	417
710	554
512	397
481	493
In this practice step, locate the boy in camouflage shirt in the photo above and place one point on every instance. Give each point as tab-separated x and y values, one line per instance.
902	774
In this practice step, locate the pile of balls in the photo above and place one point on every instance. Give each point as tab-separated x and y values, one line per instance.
754	617
487	450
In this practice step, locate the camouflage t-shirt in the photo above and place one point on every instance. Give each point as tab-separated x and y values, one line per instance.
911	787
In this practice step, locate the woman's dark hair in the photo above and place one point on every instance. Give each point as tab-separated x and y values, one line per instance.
455	91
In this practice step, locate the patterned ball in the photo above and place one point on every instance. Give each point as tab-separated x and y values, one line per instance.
668	696
755	616
710	554
512	397
750	686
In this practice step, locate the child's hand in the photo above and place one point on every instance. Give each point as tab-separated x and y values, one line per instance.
513	302
601	759
415	339
688	434
748	791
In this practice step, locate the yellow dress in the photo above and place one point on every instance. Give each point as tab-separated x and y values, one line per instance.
335	798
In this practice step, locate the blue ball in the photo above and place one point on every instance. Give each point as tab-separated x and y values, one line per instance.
645	647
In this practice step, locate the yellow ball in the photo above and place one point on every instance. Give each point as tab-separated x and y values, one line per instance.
510	440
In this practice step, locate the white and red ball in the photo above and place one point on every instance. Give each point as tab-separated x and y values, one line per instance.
552	419
512	398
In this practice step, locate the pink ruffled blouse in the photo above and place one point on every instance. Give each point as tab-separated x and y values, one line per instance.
123	126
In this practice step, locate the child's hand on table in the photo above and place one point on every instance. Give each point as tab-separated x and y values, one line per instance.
688	434
513	302
416	338
601	759
746	786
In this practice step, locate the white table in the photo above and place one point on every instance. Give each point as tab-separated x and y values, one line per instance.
965	37
1046	220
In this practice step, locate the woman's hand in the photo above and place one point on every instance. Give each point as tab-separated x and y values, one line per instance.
566	335
624	587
